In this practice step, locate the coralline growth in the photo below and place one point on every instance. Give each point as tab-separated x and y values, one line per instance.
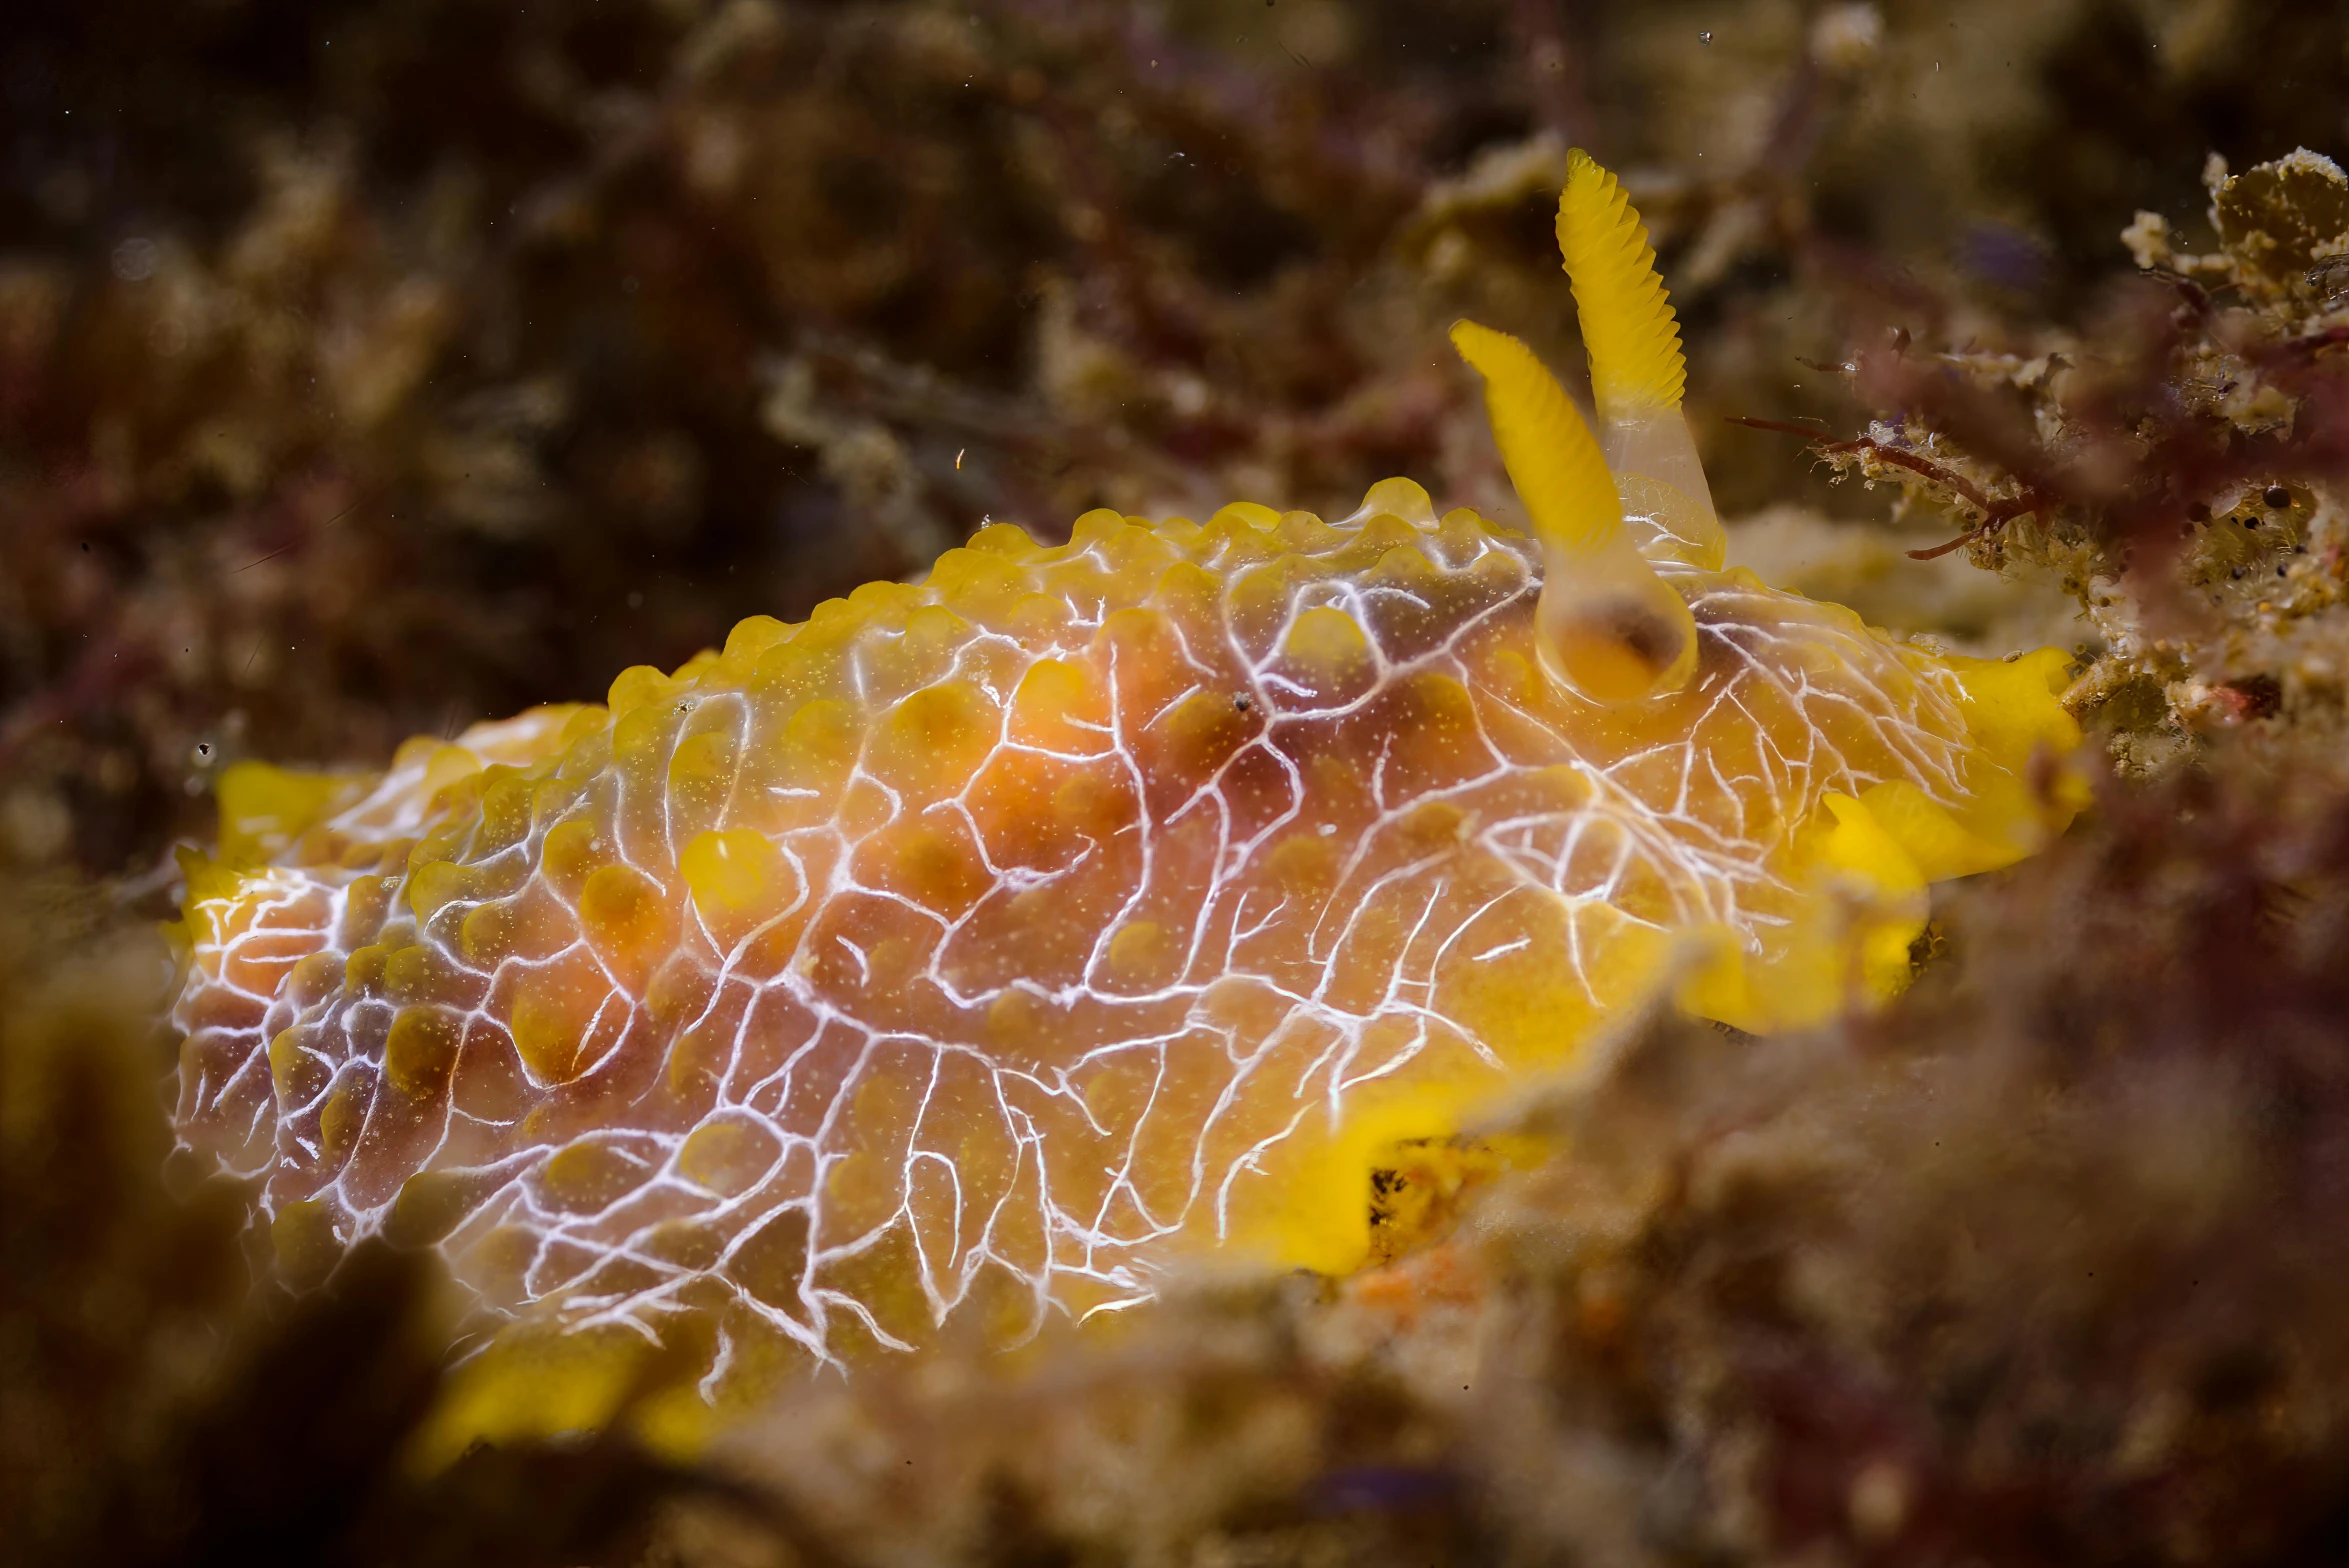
980	946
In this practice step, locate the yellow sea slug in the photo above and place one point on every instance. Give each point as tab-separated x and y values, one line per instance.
981	945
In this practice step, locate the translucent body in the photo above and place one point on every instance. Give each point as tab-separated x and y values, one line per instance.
981	946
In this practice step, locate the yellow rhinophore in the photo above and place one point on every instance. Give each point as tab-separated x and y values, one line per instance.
1637	373
1606	510
1609	627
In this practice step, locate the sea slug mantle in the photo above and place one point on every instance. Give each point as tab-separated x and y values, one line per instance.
977	946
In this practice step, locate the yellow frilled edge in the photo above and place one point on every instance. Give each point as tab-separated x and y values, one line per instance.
1872	857
533	1380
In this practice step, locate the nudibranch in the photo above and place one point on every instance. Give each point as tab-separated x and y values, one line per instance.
978	946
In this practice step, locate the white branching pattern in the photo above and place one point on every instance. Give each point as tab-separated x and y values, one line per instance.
985	943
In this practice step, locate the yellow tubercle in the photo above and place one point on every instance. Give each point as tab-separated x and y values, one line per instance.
421	1051
264	809
1327	645
732	874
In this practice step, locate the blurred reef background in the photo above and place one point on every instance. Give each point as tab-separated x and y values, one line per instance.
370	369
